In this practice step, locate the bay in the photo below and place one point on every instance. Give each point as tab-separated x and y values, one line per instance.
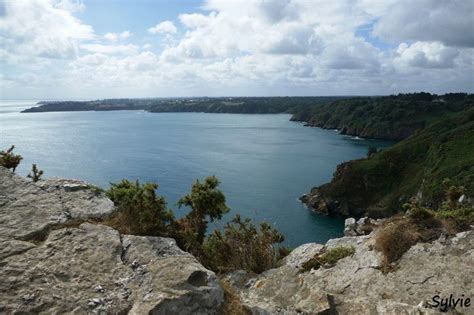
264	162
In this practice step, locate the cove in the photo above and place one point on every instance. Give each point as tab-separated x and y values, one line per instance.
264	162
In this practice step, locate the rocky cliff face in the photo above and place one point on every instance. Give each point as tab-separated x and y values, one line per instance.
53	261
356	284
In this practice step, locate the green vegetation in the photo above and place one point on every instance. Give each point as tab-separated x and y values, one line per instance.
206	202
379	186
394	117
35	174
10	160
327	258
141	210
241	105
240	246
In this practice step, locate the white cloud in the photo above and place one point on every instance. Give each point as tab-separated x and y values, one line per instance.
426	55
111	49
113	37
42	28
163	27
245	47
449	22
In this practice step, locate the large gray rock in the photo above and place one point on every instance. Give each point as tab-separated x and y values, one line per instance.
356	285
29	210
52	263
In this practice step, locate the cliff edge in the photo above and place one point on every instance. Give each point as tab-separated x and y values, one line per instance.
53	260
358	284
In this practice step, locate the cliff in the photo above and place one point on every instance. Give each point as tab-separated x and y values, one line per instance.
394	117
57	258
379	185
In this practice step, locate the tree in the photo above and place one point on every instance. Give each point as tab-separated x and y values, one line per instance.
141	211
35	174
207	202
10	160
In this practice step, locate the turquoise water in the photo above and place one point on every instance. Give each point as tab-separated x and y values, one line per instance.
265	162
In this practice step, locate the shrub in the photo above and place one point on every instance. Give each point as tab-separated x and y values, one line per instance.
328	257
141	211
35	174
239	246
459	218
10	160
395	239
422	217
242	246
206	202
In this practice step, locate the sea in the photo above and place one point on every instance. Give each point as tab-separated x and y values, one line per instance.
264	162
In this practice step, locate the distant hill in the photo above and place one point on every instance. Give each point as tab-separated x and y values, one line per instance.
394	117
381	184
242	105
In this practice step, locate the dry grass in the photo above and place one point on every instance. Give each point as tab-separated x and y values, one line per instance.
232	304
395	239
328	257
120	221
400	233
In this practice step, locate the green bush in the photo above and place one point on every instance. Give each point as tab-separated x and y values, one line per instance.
206	202
461	217
328	257
141	211
242	246
239	246
10	160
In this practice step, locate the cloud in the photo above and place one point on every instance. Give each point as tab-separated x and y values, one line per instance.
111	49
163	28
449	22
426	55
113	37
289	47
42	28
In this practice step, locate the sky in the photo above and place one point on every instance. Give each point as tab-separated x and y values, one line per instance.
68	49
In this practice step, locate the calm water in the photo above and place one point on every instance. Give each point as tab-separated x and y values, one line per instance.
265	162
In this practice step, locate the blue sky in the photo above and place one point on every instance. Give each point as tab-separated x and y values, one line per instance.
137	16
66	49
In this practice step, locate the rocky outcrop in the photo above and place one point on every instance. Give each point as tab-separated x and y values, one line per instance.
53	261
363	226
357	285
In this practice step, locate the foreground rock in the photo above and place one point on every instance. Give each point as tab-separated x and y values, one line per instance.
356	284
51	262
29	210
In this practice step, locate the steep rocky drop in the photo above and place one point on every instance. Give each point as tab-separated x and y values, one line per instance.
53	261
